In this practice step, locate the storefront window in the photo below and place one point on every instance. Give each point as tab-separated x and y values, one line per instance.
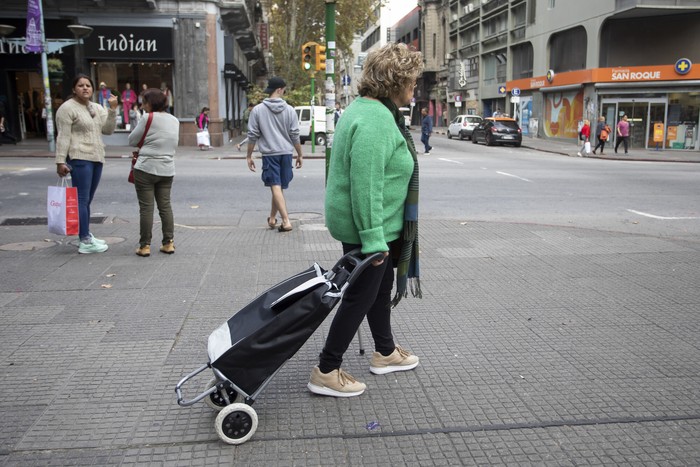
117	76
683	119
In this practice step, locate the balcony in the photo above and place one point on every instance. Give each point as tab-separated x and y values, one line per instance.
492	6
237	21
646	8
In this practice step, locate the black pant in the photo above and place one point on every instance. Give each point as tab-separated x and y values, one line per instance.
622	139
600	144
6	135
369	296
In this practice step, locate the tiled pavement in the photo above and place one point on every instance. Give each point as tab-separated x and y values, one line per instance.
539	345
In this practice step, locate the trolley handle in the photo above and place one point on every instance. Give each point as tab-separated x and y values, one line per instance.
178	389
359	264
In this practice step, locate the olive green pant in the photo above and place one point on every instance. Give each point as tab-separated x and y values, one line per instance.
151	187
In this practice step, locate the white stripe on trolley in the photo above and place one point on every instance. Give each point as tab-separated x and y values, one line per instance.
660	217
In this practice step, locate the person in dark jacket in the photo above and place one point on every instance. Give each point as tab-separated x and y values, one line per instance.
426	130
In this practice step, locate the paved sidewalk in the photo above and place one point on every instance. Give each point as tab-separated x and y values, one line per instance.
539	345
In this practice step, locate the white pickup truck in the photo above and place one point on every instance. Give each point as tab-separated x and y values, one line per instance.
304	115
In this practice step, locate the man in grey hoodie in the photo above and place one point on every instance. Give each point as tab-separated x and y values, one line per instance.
274	127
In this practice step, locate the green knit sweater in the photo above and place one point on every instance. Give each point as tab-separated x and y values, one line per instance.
368	177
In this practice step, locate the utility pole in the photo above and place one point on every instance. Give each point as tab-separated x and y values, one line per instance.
330	79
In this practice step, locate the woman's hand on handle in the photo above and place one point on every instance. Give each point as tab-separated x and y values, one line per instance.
380	261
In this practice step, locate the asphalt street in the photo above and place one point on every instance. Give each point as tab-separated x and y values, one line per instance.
540	344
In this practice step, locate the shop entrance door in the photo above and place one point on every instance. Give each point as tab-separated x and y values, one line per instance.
641	116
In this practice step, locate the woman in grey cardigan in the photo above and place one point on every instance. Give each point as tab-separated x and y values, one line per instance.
155	169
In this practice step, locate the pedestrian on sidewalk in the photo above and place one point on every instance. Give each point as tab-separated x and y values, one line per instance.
623	134
244	125
426	129
602	133
585	136
273	125
154	170
80	150
203	138
4	132
372	203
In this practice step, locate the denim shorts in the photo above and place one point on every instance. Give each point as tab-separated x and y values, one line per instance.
277	170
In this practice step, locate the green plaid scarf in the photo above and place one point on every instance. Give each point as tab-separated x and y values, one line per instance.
407	270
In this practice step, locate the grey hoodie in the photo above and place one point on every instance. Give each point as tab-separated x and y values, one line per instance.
274	126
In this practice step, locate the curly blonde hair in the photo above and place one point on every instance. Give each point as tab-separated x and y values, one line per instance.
388	70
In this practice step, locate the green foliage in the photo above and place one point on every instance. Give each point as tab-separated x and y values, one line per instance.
54	65
294	95
294	22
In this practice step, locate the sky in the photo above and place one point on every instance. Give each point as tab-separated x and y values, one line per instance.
399	8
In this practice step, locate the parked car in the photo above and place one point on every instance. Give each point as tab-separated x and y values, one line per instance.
498	130
462	126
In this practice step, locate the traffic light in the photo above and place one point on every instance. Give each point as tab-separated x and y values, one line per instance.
307	51
320	54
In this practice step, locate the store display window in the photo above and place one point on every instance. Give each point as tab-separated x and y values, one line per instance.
128	81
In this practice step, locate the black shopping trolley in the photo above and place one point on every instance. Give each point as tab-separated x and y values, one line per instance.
248	350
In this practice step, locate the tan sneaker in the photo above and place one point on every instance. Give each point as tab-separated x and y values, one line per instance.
399	360
168	248
337	383
144	250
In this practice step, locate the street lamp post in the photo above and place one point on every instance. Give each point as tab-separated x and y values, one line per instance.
48	47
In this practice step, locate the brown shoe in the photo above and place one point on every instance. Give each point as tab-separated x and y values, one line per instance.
144	251
168	248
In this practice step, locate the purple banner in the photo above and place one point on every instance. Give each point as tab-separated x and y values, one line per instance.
34	25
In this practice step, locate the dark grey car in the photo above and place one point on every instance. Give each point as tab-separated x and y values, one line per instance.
494	130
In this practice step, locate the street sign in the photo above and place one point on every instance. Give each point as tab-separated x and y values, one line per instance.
515	91
501	90
514	99
458	98
346	80
413	101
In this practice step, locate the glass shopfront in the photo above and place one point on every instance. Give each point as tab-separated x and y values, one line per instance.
128	60
678	114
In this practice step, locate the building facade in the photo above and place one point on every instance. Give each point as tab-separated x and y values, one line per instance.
553	63
203	53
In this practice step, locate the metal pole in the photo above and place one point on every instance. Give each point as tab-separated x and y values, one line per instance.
330	79
47	85
313	113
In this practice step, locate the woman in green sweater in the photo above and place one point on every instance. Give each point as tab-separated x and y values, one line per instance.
371	203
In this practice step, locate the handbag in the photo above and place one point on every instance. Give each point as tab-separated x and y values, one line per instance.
62	209
587	147
135	154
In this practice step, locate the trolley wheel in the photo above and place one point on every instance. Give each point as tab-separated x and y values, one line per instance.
216	400
236	423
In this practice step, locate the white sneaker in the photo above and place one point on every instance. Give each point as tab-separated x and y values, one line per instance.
87	248
426	153
99	241
578	154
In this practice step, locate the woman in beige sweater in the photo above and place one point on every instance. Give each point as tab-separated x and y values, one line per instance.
80	150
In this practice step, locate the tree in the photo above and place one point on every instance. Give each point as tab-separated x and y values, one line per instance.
294	22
